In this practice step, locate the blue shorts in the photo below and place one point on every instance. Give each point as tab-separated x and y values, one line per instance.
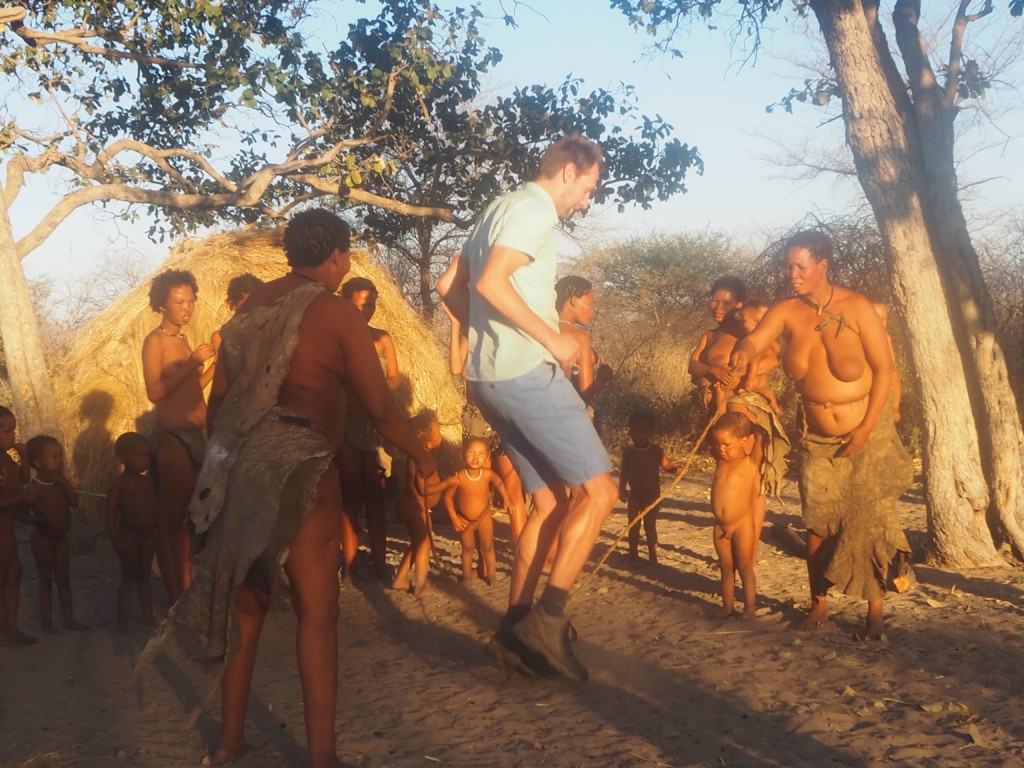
544	427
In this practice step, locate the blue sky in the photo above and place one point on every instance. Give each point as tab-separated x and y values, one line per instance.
713	100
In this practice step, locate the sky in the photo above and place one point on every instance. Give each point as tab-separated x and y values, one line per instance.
714	97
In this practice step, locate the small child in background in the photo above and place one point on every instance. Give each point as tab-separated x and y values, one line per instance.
756	377
51	498
734	492
413	509
132	513
14	476
468	501
640	482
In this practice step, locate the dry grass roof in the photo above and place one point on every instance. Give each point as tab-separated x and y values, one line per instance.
101	392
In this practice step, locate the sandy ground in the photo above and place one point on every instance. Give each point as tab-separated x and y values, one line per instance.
669	686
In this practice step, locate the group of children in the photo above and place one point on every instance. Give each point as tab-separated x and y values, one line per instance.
35	491
467	499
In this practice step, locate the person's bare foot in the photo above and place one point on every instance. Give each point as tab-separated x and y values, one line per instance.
423	591
401	584
875	627
228	753
725	612
16	639
817	616
749	612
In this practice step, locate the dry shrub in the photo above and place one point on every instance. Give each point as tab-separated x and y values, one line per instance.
101	391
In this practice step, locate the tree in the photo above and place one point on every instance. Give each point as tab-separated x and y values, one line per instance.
651	307
900	134
450	147
221	110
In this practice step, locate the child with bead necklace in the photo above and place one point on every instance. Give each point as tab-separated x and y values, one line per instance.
467	497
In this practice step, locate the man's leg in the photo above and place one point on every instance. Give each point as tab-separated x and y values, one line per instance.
349	464
544	629
250	610
376	524
312	568
580	529
549	509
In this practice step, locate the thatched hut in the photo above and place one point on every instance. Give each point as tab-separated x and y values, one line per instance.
101	388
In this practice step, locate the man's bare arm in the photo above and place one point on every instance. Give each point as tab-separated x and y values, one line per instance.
221	385
453	288
366	382
458	344
386	344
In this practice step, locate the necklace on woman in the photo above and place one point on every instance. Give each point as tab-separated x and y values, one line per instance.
306	277
43	482
178	335
819	308
479	475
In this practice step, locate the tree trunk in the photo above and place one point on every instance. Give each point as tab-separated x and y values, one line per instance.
882	138
995	407
34	403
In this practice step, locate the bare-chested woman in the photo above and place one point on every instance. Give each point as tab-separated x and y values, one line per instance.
853	465
709	362
175	378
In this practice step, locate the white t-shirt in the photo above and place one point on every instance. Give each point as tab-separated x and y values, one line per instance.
525	221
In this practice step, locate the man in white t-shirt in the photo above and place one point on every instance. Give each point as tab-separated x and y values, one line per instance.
518	372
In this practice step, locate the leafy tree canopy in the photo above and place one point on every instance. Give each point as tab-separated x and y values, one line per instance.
233	108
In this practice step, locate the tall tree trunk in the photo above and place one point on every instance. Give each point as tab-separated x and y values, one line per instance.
34	403
881	134
1000	433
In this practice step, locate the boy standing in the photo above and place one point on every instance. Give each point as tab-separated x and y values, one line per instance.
14	476
468	501
51	499
132	512
640	483
413	507
734	491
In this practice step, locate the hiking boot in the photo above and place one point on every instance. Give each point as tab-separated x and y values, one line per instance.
549	637
507	649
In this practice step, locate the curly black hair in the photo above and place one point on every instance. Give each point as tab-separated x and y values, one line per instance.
311	237
165	282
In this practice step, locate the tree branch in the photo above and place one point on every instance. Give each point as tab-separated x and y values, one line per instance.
77	39
956	48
